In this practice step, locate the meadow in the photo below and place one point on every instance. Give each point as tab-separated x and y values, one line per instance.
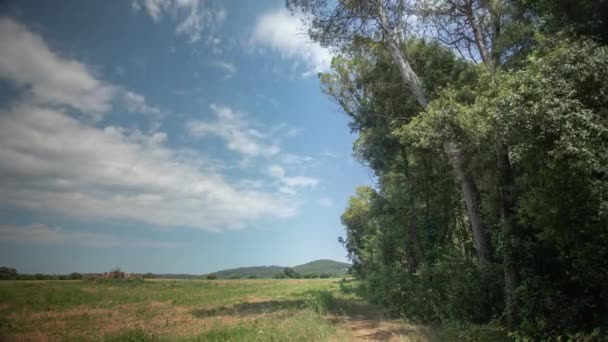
194	310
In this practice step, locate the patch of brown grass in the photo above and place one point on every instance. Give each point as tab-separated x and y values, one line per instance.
90	290
87	323
257	299
30	337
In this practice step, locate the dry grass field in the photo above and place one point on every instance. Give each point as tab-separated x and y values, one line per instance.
193	310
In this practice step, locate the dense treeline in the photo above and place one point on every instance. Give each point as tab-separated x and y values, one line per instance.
8	273
486	126
290	273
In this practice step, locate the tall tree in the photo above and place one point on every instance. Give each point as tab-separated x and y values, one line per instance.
387	19
475	29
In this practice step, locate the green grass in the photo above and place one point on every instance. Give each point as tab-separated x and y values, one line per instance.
205	310
303	326
188	310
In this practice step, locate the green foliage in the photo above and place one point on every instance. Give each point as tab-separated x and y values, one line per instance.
7	273
323	266
581	17
211	276
291	273
75	276
317	266
408	237
244	272
451	289
470	332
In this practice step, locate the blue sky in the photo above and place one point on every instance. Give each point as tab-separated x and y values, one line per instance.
168	136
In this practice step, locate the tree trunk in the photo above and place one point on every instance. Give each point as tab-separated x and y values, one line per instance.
413	247
413	238
483	245
408	75
506	182
463	176
509	232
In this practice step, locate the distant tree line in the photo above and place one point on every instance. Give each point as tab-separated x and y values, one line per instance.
290	273
7	273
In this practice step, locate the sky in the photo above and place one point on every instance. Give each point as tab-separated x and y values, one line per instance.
167	136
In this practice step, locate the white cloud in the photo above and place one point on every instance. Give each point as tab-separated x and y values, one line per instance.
136	103
286	34
49	79
43	234
239	136
228	68
326	202
52	80
292	132
51	162
294	159
192	16
290	185
276	171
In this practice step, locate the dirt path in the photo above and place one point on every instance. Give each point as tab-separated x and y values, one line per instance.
372	325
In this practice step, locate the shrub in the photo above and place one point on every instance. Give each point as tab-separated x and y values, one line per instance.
211	276
450	289
75	276
291	273
7	273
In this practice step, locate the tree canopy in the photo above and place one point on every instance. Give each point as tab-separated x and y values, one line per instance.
485	123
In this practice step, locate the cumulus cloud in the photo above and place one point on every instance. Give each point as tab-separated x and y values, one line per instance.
192	16
287	35
239	135
228	68
290	185
49	79
294	159
136	103
52	80
43	234
53	162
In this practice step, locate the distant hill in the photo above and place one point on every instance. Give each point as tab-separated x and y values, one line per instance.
246	272
323	266
317	266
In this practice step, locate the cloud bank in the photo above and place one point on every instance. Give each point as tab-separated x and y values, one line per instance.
51	161
43	234
287	35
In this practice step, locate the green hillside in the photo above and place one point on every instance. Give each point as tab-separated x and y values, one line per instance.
323	266
246	272
317	266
